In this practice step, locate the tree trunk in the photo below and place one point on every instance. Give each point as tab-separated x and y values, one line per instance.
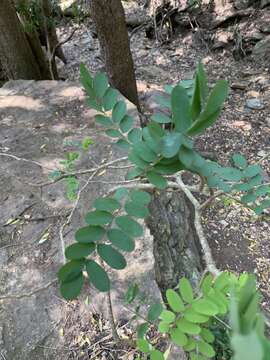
49	31
109	18
34	42
177	250
16	55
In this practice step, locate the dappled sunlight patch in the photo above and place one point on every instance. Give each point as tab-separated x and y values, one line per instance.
23	102
72	91
50	163
61	127
241	125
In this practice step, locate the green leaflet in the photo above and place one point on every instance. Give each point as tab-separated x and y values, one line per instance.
181	110
98	218
129	226
71	270
111	256
106	204
97	276
77	251
89	234
71	289
212	108
121	240
174	301
100	85
186	291
119	111
156	179
170	144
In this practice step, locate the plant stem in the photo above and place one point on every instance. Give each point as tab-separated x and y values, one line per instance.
115	335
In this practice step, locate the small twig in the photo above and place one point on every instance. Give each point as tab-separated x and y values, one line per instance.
80	172
29	294
137	28
223	322
115	335
210	199
60	43
26	160
11	245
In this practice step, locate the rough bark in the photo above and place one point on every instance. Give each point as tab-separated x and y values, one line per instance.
109	18
34	42
176	248
16	55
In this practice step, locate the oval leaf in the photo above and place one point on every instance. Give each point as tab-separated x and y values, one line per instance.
156	355
71	289
186	290
126	123
111	256
71	270
110	99
78	251
170	144
181	109
174	300
89	234
192	316
163	327
205	349
178	337
142	330
100	84
135	135
205	307
167	316
119	111
106	204
156	179
98	218
188	327
154	311
129	226
138	211
140	197
97	276
143	345
161	118
121	240
103	120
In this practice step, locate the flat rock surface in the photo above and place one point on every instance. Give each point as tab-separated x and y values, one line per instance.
37	119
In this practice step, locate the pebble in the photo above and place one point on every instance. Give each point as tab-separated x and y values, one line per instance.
254	104
224	223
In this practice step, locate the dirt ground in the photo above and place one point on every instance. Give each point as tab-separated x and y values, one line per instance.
239	240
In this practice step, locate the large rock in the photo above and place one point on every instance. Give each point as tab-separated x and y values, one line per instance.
36	119
262	48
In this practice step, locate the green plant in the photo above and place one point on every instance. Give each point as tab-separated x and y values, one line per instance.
164	147
72	184
196	320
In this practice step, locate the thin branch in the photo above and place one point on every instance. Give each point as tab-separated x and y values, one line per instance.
80	172
29	294
210	199
26	160
115	335
60	43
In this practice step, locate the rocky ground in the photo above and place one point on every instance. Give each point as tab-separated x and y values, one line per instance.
37	119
